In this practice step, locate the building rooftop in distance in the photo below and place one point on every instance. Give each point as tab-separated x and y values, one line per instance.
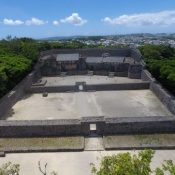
67	57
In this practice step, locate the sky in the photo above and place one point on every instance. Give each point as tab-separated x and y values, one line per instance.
49	18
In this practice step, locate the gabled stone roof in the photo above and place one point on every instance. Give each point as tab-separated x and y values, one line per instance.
94	59
113	59
67	57
105	59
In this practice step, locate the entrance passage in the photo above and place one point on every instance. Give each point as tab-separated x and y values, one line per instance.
94	144
80	86
93	129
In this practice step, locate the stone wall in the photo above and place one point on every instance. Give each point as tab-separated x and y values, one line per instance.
90	87
135	53
121	68
17	92
164	96
89	52
40	128
123	52
140	125
73	127
135	71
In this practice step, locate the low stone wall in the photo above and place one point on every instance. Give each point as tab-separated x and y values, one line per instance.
51	89
146	76
139	125
40	128
124	86
164	96
73	127
90	87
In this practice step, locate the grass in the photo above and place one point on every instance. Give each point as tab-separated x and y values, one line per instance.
141	140
45	142
156	138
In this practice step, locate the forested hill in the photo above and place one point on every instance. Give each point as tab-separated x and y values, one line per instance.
160	62
17	57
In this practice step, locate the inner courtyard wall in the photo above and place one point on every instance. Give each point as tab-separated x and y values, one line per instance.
114	125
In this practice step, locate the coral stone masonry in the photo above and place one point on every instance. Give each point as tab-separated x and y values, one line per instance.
69	91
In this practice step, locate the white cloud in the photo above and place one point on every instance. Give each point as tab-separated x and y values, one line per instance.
12	22
56	23
74	19
163	18
35	21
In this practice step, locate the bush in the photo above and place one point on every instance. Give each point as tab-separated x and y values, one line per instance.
128	164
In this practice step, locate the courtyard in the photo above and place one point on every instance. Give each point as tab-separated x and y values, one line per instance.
71	163
74	105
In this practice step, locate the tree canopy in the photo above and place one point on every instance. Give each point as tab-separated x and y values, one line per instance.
160	61
132	164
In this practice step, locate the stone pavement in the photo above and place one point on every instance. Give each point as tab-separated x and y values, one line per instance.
71	163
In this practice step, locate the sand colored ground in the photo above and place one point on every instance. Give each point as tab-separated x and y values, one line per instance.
132	103
71	163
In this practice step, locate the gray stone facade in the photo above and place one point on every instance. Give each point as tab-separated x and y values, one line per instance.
164	96
109	60
105	126
16	93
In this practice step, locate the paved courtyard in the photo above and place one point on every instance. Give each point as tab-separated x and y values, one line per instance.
71	163
131	103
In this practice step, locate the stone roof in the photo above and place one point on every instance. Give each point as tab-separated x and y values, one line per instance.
113	59
67	57
94	59
105	59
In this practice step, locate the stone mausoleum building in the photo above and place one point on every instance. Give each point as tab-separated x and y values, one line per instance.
81	92
119	62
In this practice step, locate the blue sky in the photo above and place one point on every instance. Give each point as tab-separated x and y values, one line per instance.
45	18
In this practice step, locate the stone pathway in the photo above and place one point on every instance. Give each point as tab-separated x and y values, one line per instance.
94	144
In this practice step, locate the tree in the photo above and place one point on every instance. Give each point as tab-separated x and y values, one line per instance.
128	164
9	169
44	169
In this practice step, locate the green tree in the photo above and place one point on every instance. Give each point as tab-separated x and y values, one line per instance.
132	164
9	169
125	164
